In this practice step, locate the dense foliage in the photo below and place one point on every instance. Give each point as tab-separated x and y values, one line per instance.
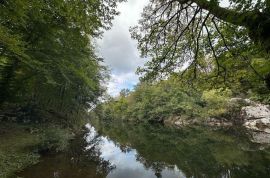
49	74
169	98
47	59
152	102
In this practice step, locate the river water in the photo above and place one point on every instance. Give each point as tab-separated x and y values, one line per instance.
128	150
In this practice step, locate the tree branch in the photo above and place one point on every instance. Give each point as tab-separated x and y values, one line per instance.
245	19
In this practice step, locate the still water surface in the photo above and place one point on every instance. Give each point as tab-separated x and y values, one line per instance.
126	150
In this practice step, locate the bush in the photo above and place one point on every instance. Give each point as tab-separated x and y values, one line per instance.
54	139
10	162
153	102
216	101
17	148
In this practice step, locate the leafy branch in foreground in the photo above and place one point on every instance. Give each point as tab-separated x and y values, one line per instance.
181	35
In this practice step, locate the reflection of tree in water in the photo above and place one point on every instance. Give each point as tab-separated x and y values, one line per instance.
76	162
197	152
156	167
124	148
86	152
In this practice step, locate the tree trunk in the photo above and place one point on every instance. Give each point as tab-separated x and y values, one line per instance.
258	23
7	75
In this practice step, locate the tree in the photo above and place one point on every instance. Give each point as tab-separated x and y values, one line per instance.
47	58
124	92
181	35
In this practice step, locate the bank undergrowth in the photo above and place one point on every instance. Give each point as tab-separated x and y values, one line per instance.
50	74
162	100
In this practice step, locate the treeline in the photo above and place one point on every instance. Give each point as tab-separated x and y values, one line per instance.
48	63
180	97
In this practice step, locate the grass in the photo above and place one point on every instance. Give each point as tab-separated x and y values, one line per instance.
20	145
17	148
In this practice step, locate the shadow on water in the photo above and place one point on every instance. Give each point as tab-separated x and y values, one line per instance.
128	150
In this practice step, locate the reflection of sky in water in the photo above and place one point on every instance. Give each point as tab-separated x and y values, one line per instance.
126	164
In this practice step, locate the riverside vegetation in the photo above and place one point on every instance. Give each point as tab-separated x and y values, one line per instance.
49	74
165	100
201	55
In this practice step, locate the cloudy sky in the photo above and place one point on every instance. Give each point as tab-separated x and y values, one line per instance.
119	50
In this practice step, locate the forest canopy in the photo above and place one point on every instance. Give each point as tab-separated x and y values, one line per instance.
47	56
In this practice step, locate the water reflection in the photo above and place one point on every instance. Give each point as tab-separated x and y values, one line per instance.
126	161
192	152
125	150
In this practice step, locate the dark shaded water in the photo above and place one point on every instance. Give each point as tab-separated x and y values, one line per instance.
125	150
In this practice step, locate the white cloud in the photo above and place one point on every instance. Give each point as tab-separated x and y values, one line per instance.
119	50
120	81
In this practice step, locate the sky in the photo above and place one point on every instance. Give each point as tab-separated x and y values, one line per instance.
119	51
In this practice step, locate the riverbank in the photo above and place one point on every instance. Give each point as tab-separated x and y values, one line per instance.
28	131
17	148
251	115
23	144
121	149
213	109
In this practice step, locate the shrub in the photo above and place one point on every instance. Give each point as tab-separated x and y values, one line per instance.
16	148
216	101
54	139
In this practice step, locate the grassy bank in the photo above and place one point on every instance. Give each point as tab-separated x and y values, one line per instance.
21	145
17	148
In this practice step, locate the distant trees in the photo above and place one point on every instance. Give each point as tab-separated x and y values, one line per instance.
168	99
152	102
124	92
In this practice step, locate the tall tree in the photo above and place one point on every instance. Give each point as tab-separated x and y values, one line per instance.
47	57
188	34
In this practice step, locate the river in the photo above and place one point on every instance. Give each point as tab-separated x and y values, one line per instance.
129	150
